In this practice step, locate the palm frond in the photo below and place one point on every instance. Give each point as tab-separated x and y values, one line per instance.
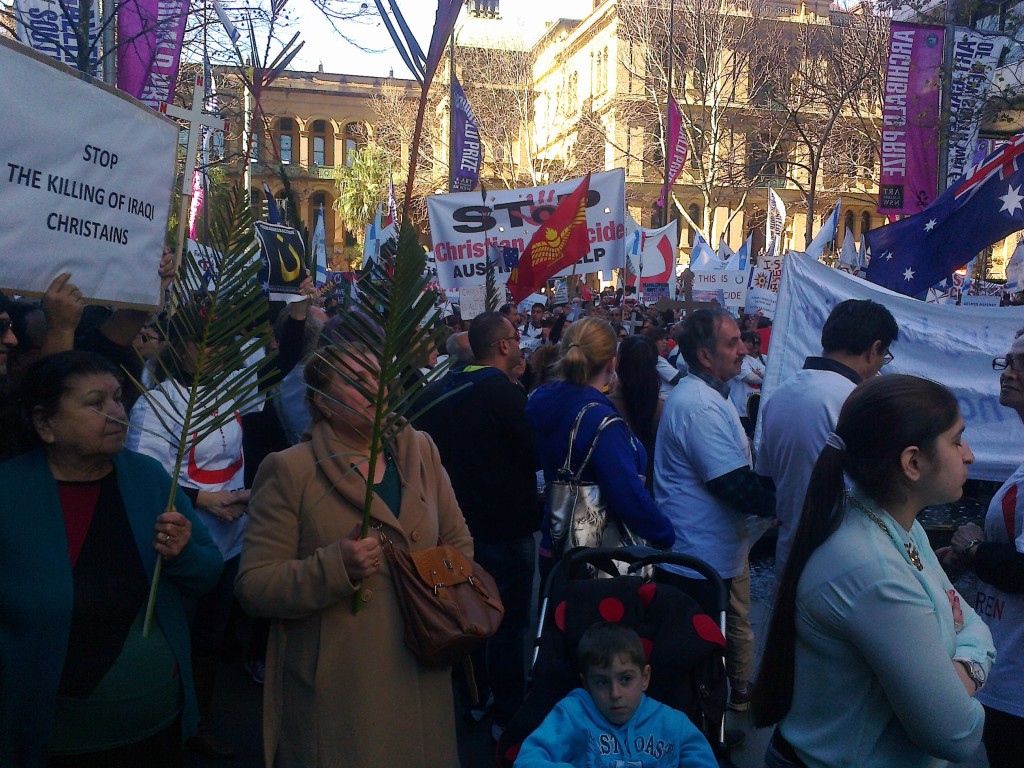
220	308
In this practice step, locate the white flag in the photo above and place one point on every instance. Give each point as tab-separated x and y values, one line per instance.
826	234
724	251
849	259
320	249
229	28
775	225
703	257
371	241
1015	269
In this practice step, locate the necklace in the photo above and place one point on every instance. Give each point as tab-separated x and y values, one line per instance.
912	553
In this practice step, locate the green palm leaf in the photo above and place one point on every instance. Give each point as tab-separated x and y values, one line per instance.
394	317
219	304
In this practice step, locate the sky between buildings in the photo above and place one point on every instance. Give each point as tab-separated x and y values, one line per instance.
522	19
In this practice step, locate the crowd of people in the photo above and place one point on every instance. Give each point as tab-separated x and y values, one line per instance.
872	657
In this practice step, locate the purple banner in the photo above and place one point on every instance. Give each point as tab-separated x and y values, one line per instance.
910	117
147	60
466	147
678	147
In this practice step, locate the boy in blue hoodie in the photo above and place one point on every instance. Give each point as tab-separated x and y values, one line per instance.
611	723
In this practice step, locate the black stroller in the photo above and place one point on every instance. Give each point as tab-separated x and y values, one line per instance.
680	620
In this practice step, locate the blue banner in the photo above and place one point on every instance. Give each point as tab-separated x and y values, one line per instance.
466	147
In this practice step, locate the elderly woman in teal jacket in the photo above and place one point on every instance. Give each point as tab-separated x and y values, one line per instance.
81	525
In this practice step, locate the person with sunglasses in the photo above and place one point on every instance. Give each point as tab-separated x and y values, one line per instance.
995	554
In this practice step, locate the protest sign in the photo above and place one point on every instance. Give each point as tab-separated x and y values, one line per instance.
952	345
472	301
970	300
731	284
764	286
85	183
561	293
283	253
464	227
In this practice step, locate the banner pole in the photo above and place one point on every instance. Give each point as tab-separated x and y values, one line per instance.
668	112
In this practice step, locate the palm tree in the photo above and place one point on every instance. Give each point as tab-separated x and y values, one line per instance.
363	185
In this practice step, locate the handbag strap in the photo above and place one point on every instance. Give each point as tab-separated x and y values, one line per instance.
605	422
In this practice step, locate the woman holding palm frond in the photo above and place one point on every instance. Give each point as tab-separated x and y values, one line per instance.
82	529
341	687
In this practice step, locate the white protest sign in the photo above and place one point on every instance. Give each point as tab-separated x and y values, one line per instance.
952	345
764	286
86	175
732	284
463	226
472	301
561	293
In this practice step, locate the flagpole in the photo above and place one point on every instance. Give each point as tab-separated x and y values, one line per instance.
668	112
205	173
451	112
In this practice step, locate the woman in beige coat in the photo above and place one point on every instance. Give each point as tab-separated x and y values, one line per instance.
343	689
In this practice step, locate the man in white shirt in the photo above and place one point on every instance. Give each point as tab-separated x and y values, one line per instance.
532	335
703	480
797	417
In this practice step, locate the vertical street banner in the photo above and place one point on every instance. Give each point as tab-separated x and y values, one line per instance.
48	26
467	150
678	147
464	227
975	56
910	119
150	33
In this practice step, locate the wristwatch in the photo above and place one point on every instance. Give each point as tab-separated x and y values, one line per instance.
971	545
974	671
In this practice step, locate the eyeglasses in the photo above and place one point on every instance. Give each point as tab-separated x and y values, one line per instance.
5	326
1013	362
506	338
889	357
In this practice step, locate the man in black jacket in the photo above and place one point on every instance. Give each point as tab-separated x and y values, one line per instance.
488	448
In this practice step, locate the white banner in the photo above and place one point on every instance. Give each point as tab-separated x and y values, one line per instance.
775	224
652	252
462	226
731	283
975	56
85	184
952	345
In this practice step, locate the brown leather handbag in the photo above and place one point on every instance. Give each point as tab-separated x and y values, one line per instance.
450	603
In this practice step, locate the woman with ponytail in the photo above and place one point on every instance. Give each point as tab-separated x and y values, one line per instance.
584	372
872	658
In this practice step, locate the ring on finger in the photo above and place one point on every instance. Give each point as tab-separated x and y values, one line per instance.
166	538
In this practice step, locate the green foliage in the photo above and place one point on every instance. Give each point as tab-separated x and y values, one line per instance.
363	185
220	306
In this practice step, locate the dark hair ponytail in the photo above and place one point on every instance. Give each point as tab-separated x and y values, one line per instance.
880	418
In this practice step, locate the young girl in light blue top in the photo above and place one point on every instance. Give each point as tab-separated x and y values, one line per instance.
872	658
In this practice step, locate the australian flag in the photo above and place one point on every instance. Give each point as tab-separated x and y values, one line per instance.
982	208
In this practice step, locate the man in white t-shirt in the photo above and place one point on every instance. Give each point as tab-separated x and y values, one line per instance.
797	416
703	480
532	335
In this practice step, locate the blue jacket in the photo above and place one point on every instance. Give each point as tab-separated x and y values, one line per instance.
576	734
36	591
617	465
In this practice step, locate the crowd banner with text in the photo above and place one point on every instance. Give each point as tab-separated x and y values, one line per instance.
975	56
652	253
952	345
86	177
467	150
730	284
49	28
150	34
464	227
763	288
910	118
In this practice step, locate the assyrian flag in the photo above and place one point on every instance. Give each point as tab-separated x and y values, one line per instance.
703	257
826	234
724	251
558	243
273	214
775	225
849	259
320	249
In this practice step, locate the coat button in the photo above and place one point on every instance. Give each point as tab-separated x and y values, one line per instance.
367	595
415	535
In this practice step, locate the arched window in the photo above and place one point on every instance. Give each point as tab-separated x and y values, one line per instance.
355	137
258	204
319	142
695	215
605	69
865	223
848	222
286	139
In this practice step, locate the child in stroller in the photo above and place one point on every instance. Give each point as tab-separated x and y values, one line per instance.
610	722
